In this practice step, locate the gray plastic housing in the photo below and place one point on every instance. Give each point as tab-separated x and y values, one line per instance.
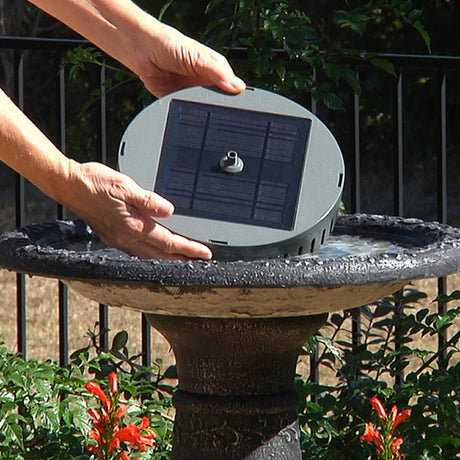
320	187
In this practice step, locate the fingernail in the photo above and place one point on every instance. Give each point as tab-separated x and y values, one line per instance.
237	84
207	255
206	252
167	207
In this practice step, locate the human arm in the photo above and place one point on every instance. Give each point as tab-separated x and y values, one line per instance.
117	209
163	58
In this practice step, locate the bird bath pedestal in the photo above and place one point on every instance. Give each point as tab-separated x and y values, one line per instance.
236	327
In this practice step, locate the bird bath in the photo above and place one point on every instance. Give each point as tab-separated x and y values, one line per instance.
236	327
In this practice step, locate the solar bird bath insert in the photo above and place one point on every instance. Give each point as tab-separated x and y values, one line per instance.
259	179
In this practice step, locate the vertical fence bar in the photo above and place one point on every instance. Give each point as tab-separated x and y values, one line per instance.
63	324
63	294
399	148
356	169
20	216
442	181
103	309
442	157
146	342
314	371
398	181
356	203
313	101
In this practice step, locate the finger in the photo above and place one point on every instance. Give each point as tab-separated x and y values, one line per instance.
146	238
219	72
149	203
177	82
146	251
212	68
172	243
152	241
233	86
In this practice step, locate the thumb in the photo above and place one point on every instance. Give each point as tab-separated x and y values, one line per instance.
218	70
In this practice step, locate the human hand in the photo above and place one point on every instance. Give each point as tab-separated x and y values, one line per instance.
117	209
174	61
163	58
120	212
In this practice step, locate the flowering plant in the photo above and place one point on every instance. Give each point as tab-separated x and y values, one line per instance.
106	421
383	437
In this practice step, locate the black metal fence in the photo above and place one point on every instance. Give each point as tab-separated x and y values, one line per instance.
381	119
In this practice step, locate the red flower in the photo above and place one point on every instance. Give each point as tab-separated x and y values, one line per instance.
371	434
121	412
395	446
95	389
398	418
95	414
131	433
113	380
97	451
107	432
123	456
93	434
387	446
378	406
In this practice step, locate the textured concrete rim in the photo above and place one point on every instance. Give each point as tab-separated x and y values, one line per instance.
435	252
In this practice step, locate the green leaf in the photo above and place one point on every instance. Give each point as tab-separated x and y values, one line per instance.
12	429
212	4
337	319
355	20
384	64
330	100
18	379
170	372
443	299
280	69
164	8
81	351
383	310
421	314
119	341
418	26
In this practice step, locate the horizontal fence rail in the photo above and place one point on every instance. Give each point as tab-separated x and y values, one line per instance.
444	68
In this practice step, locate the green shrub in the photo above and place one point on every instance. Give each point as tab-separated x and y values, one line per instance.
44	407
333	417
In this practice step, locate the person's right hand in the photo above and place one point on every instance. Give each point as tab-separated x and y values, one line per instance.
121	213
168	61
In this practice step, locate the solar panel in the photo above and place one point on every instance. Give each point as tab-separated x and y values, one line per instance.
271	147
251	175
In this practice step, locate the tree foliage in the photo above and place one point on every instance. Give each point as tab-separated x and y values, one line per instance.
322	44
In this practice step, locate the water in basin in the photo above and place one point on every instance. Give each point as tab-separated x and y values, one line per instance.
336	246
